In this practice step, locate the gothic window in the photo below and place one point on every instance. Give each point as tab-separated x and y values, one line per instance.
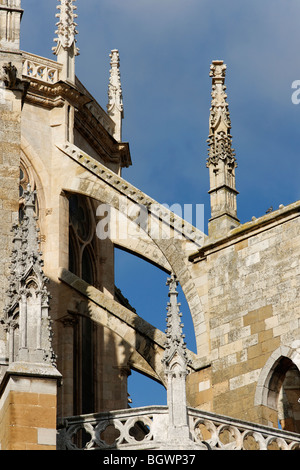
81	238
87	266
72	255
278	391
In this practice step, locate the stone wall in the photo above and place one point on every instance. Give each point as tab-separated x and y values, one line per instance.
28	414
253	306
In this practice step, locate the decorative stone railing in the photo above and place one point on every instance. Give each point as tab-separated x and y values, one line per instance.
224	433
139	428
146	428
42	69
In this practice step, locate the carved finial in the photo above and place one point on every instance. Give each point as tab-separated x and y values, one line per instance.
114	88
221	157
176	364
175	344
220	140
66	26
115	107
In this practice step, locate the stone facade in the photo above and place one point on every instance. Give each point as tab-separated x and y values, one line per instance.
28	415
241	281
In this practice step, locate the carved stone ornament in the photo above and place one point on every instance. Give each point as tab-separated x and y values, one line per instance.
66	26
26	315
220	148
115	97
220	140
175	347
9	76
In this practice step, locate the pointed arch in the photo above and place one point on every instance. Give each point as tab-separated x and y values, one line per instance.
173	251
267	372
273	384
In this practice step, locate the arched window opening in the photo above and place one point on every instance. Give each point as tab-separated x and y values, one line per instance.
80	217
289	401
282	392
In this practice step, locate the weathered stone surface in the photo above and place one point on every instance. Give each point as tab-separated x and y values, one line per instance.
241	282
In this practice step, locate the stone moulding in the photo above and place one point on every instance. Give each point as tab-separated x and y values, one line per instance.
263	394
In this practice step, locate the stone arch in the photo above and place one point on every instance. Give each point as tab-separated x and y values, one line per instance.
272	381
81	239
172	249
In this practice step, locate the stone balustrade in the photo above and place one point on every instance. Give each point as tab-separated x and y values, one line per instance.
224	433
39	68
147	428
138	428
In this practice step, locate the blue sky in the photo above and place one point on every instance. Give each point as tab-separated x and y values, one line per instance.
166	48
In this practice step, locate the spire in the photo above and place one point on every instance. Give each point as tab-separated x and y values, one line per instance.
175	345
115	98
26	317
66	48
221	156
176	365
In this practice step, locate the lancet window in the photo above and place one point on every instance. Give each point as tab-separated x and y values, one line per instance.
81	238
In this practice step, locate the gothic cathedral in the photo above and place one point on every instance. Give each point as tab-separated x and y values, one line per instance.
68	337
